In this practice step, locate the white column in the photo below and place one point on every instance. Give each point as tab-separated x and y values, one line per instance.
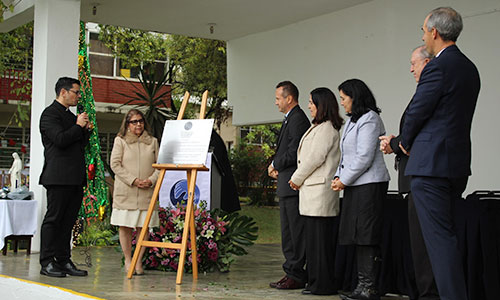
55	54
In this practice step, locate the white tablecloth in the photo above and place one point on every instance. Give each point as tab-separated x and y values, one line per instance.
17	217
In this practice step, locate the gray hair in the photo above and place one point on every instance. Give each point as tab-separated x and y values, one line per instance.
422	52
447	22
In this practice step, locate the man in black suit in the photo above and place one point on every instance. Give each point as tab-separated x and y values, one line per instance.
64	137
282	168
436	133
424	277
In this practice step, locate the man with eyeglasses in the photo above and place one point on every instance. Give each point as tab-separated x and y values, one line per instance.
64	137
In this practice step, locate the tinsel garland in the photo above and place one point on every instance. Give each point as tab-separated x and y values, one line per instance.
95	198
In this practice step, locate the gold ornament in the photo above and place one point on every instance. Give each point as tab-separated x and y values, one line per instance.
102	210
81	61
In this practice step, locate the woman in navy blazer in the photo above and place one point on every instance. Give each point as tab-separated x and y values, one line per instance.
364	178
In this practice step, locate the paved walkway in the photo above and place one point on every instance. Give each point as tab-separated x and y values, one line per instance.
248	279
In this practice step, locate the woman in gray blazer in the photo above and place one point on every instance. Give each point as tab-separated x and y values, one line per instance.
364	178
317	159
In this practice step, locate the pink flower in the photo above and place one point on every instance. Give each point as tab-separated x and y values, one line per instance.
154	263
176	212
165	262
173	264
212	255
212	227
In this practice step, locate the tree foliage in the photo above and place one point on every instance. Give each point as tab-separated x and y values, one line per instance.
199	65
133	47
16	48
152	95
16	56
249	161
5	7
194	64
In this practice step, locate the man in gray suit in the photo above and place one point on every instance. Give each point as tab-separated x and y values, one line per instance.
424	277
284	164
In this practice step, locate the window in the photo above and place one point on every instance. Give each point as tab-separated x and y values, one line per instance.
95	45
14	139
106	141
244	131
103	63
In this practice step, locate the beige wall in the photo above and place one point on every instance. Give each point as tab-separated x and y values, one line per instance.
228	132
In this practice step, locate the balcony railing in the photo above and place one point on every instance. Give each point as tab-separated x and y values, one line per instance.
12	82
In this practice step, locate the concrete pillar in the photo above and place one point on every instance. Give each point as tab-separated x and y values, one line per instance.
55	54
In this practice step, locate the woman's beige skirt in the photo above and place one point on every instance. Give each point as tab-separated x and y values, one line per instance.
133	218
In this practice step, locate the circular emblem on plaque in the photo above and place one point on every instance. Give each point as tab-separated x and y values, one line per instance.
179	193
188	126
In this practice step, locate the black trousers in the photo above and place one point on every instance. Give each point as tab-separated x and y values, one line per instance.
320	254
434	199
63	204
424	277
293	242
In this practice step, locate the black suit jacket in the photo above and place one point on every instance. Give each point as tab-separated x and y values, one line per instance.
401	161
64	147
438	120
285	159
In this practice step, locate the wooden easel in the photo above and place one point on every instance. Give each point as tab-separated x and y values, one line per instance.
189	227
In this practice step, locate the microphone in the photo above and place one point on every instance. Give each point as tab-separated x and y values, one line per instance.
81	110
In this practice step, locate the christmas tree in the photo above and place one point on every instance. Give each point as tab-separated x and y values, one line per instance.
95	199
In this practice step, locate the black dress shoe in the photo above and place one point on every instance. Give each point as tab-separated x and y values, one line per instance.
52	270
306	291
70	269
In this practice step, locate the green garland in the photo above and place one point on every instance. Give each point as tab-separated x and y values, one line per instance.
95	198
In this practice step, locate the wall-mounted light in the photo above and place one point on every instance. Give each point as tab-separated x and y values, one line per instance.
211	27
94	8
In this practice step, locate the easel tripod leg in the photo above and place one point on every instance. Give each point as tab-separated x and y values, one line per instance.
145	227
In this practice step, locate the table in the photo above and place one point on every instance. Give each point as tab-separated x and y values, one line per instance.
478	231
17	218
396	271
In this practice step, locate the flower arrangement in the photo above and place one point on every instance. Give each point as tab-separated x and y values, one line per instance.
219	236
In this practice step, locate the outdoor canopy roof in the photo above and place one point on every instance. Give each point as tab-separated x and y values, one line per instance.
232	18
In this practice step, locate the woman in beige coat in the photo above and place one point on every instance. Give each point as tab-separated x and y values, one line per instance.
134	152
317	159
